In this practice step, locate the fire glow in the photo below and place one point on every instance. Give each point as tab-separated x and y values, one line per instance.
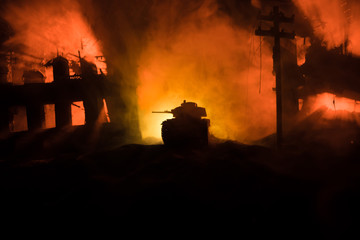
208	60
205	58
334	21
200	62
43	31
334	103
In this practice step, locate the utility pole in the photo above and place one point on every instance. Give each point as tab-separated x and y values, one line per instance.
277	17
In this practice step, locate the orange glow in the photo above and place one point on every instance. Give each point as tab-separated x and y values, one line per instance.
301	46
207	60
334	104
45	30
78	113
106	112
333	21
49	115
327	19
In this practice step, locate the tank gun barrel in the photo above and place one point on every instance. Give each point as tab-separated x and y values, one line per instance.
161	112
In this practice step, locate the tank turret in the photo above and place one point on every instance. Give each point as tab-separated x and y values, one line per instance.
188	127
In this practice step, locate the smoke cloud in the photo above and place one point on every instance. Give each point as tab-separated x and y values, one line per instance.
334	21
203	55
160	53
44	30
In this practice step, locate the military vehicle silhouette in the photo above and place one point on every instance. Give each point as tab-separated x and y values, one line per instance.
187	128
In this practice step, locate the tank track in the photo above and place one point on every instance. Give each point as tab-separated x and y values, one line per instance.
189	132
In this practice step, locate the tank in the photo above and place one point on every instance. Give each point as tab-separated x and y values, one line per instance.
187	128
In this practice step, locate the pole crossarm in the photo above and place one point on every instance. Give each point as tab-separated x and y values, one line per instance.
277	17
272	33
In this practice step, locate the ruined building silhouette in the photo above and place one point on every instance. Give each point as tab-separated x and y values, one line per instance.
88	87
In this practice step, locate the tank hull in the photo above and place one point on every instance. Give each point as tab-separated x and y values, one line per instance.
185	132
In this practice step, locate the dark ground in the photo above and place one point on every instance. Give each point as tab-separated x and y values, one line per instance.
304	190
